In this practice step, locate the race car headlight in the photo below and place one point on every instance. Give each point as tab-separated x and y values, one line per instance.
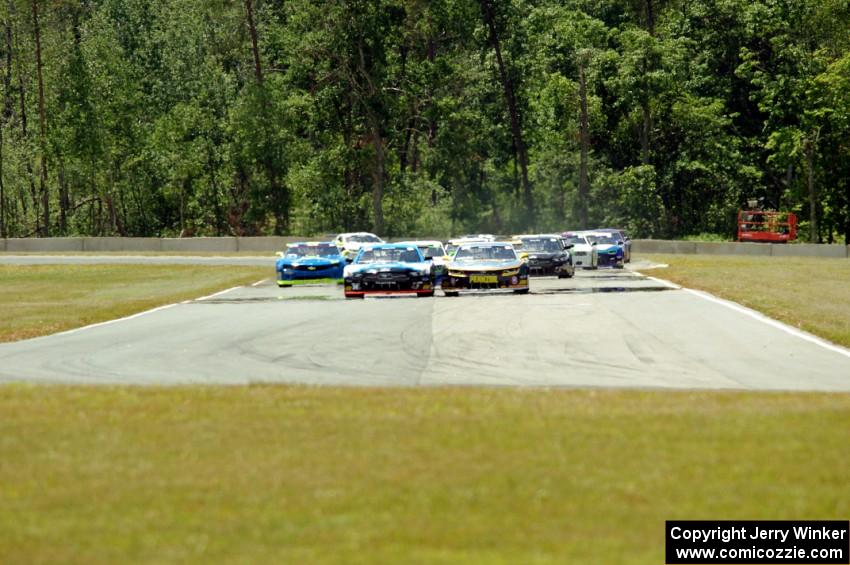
334	263
457	274
510	273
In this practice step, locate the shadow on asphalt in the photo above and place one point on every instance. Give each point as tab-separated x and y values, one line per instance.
595	290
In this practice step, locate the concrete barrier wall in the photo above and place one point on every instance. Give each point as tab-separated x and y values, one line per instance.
735	248
809	250
118	244
265	245
200	244
46	245
663	246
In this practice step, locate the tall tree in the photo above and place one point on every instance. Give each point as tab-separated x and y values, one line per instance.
488	10
43	188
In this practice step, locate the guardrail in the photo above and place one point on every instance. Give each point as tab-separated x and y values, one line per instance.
272	243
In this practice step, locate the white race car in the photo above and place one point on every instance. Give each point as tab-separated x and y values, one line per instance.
350	243
584	252
433	251
453	244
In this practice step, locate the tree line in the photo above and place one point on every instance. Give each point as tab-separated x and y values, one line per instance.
428	117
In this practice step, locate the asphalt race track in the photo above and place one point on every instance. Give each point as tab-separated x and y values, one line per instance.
605	328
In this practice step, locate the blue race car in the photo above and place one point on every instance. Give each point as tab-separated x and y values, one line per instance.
609	247
389	269
309	261
623	236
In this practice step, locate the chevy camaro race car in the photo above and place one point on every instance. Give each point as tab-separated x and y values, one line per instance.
389	268
584	252
309	261
610	248
547	255
350	243
485	265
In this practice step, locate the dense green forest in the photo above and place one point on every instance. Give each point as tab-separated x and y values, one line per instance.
214	117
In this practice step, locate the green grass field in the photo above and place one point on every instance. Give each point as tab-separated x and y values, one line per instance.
809	293
43	299
319	475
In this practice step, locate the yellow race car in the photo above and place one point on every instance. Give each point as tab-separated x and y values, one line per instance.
485	266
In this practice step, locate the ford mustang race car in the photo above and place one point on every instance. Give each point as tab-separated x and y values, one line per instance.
627	241
610	248
389	268
310	260
584	252
547	255
350	243
485	265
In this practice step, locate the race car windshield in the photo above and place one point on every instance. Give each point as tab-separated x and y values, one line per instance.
313	250
390	255
603	239
432	251
541	245
576	240
364	239
485	253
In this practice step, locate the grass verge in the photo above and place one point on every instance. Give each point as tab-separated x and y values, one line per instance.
808	293
320	475
43	299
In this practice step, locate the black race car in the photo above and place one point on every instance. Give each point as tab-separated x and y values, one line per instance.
547	255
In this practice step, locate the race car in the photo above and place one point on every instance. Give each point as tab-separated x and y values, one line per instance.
453	244
309	261
547	255
433	251
389	268
350	243
584	252
485	265
627	242
609	247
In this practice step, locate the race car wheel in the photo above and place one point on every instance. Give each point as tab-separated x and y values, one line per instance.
450	294
283	285
354	297
425	294
522	291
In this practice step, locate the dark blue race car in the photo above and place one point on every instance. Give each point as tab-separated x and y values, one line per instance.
309	261
389	269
